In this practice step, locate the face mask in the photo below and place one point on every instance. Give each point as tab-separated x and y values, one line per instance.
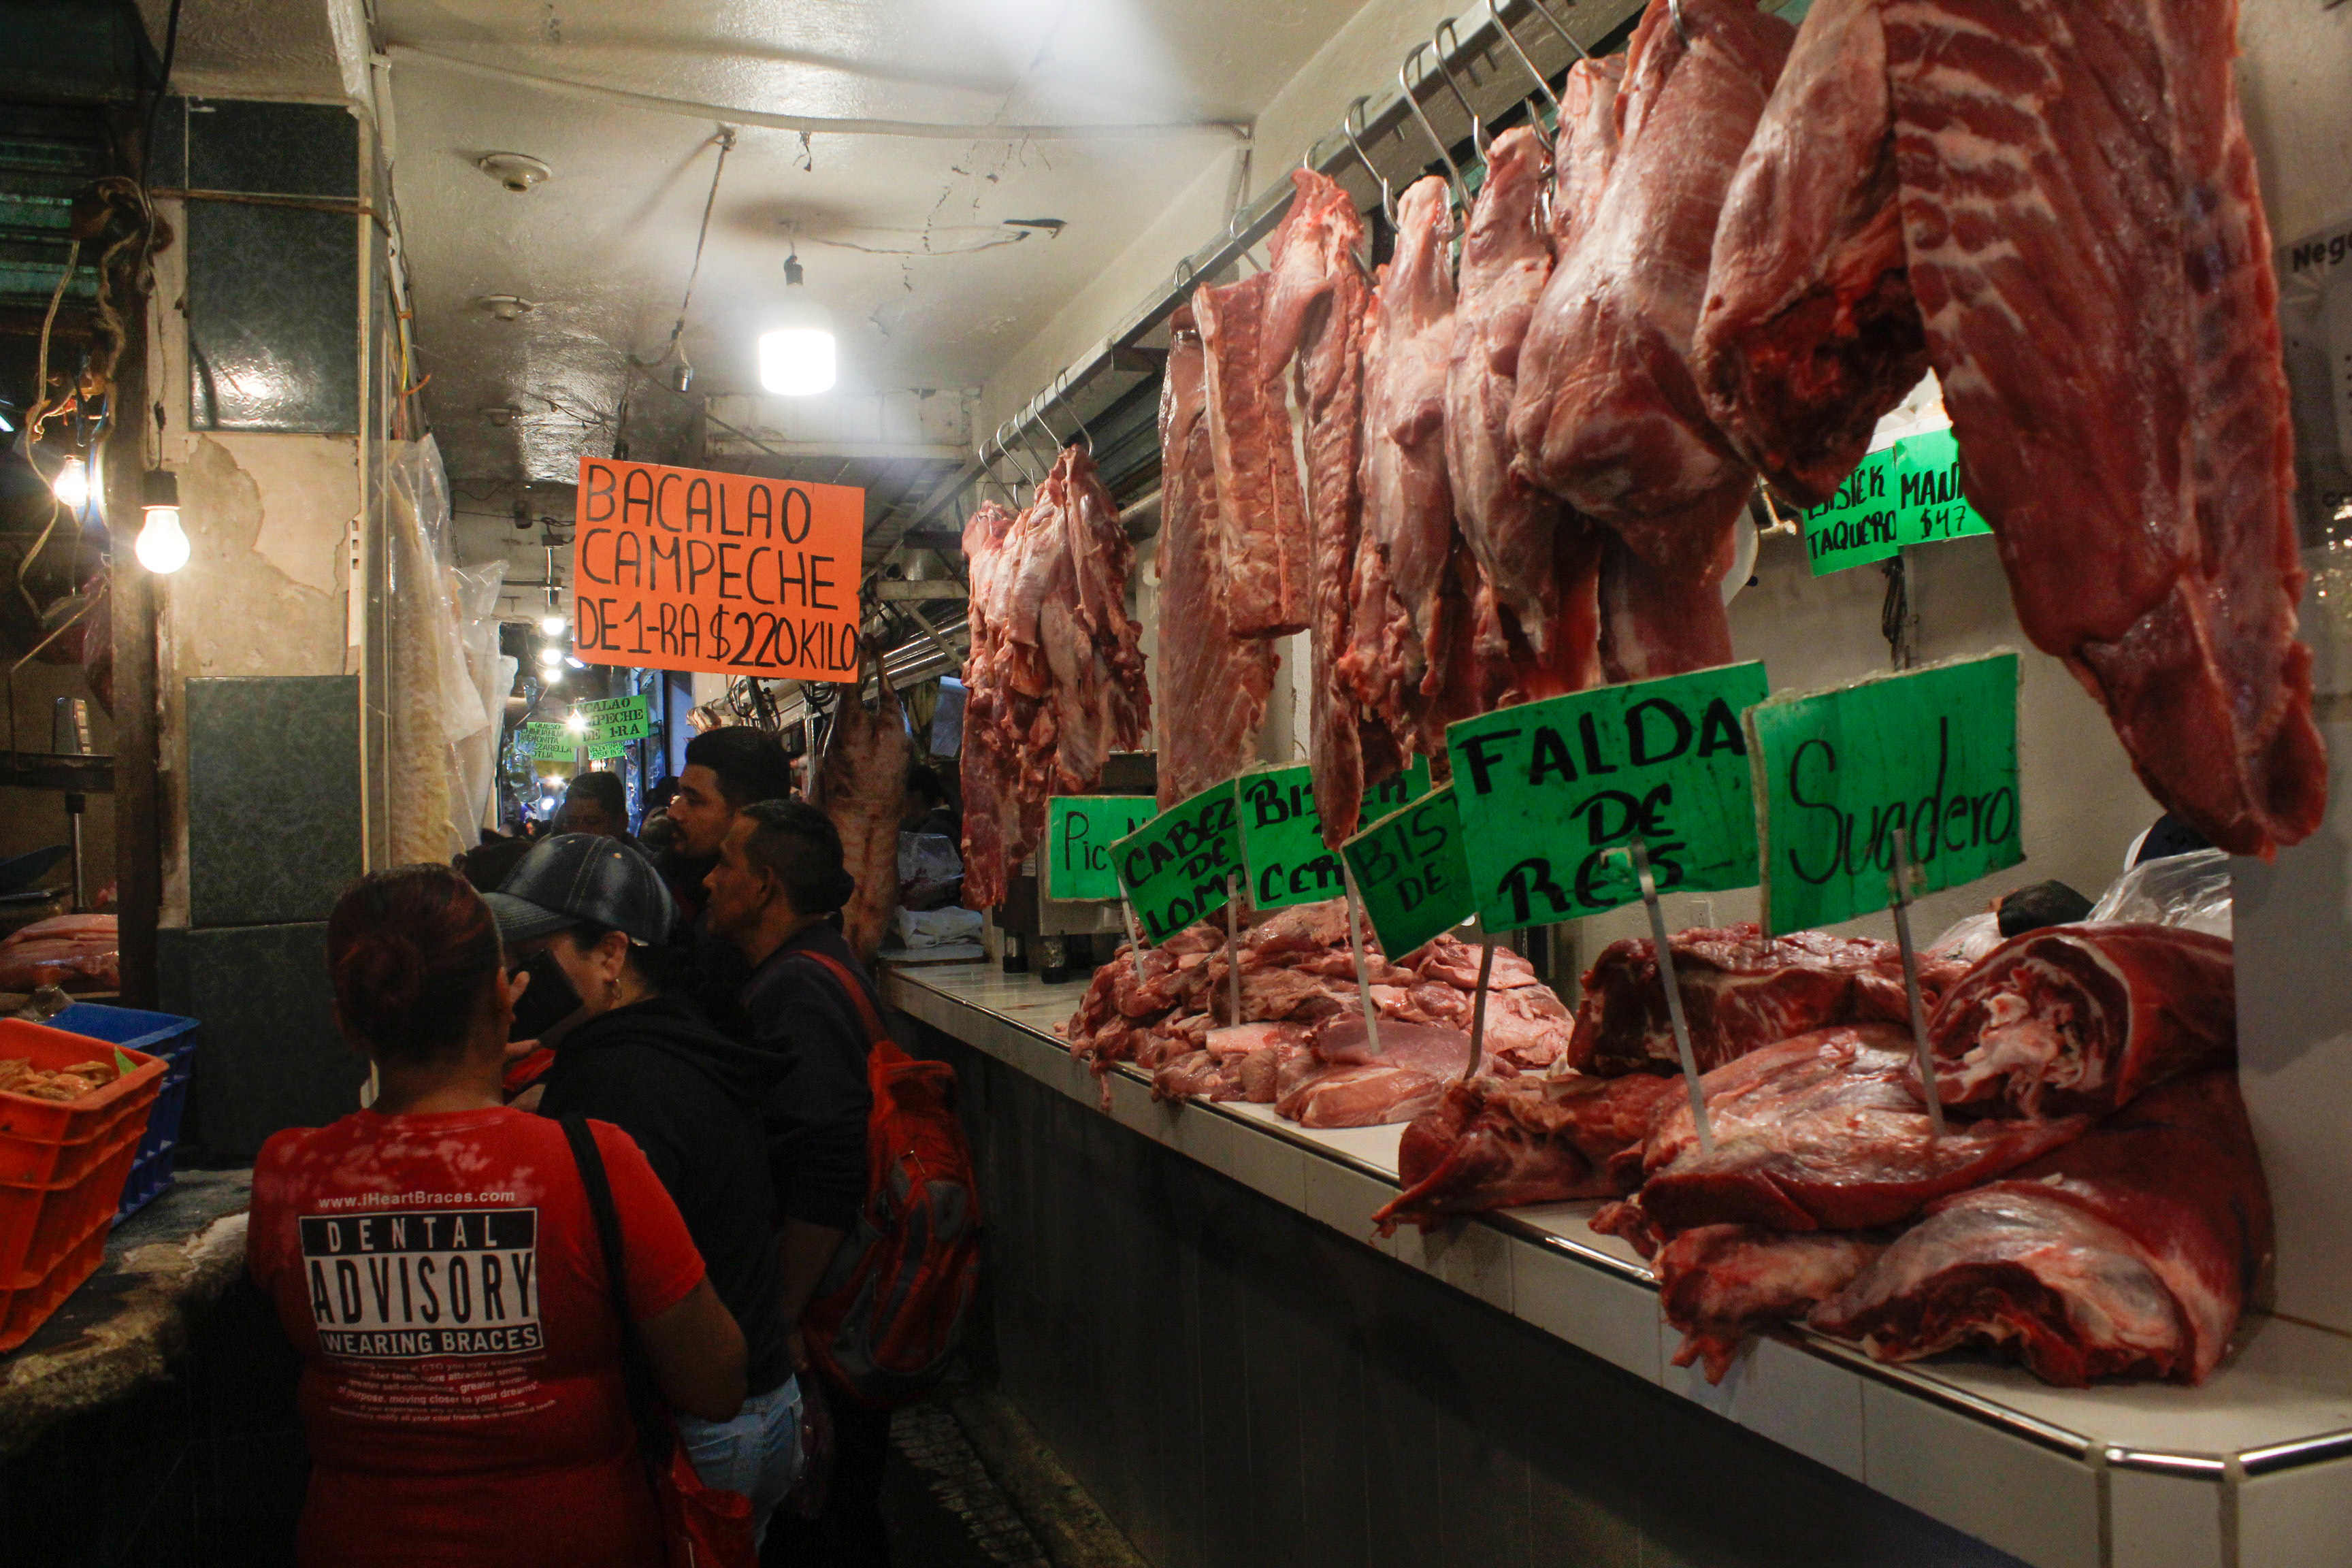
546	1001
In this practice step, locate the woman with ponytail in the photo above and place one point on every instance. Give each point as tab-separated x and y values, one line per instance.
776	893
435	1259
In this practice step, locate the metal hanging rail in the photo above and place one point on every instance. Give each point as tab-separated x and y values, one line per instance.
1471	64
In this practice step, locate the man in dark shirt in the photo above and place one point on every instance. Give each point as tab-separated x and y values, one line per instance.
778	883
726	770
587	919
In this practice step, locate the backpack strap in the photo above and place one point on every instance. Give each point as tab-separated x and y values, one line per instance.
874	1032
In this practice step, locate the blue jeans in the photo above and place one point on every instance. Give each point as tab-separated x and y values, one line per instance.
757	1453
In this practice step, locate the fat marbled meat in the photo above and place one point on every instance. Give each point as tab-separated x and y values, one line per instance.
2085	1018
2129	1252
2084	243
1056	674
1262	512
1606	413
1212	683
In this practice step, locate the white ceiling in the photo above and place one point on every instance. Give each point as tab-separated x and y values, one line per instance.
941	295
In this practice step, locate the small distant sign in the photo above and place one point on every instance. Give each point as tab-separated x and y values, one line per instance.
1551	793
1908	493
552	739
1080	832
1175	867
1282	831
1411	873
1838	774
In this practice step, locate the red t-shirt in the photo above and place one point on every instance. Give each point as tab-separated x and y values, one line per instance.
442	1276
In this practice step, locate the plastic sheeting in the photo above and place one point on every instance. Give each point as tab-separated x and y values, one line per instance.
437	698
2191	889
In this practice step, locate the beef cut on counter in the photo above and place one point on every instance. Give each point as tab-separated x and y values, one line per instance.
1608	415
2129	1252
1742	991
1810	335
1494	1143
1718	1283
1819	1133
1056	672
1212	682
2084	1017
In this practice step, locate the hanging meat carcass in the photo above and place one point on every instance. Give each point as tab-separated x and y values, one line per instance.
861	785
1212	682
1540	562
2083	237
2129	1252
1262	513
1055	675
1809	334
1608	415
1406	603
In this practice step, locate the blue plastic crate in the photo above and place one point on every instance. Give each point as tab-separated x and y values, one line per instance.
164	1035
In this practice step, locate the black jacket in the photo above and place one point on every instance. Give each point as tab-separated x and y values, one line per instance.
681	1089
814	1117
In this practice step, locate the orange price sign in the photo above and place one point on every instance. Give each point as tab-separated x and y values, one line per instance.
682	569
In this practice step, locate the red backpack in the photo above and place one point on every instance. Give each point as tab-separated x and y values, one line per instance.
892	1305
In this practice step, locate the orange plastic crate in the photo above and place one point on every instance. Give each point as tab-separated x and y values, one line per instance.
62	1164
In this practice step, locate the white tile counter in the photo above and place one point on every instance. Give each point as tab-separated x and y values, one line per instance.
2252	1470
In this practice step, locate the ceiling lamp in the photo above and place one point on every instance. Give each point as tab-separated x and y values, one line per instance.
163	546
550	656
796	355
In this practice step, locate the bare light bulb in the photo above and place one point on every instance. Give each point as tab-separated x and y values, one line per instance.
72	484
577	723
163	546
551	624
551	656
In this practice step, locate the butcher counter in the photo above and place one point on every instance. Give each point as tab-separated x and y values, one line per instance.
1191	1303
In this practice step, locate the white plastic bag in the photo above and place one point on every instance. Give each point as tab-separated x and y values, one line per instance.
1967	939
919	929
2191	890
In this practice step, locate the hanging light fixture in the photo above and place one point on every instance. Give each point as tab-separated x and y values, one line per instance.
163	546
72	485
796	354
550	656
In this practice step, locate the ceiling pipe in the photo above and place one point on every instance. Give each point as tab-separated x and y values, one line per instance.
813	124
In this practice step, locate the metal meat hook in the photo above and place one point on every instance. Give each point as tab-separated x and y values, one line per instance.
1494	9
1061	391
1404	83
1441	42
1348	128
1674	11
1540	9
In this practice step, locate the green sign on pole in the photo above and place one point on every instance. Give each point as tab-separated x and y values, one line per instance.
1174	867
552	739
1839	773
1282	832
1908	493
1552	792
612	709
1080	832
605	751
1411	874
617	731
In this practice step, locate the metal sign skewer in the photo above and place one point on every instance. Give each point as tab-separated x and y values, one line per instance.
1640	854
1479	1000
1233	942
1902	889
1134	931
1356	946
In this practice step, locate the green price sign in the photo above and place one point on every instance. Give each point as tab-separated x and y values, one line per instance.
1411	873
614	710
1551	789
1282	833
1839	773
614	731
1908	493
1174	867
1080	832
552	739
605	751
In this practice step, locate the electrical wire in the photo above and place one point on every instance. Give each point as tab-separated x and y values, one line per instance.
701	236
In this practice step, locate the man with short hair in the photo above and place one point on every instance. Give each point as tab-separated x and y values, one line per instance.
726	770
779	881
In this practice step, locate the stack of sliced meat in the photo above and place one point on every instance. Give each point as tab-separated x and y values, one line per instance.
1055	671
79	952
2055	207
1301	1044
2095	1204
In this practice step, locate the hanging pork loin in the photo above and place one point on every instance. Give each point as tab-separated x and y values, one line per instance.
861	784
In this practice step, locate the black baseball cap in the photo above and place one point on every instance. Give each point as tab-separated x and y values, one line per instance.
583	879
